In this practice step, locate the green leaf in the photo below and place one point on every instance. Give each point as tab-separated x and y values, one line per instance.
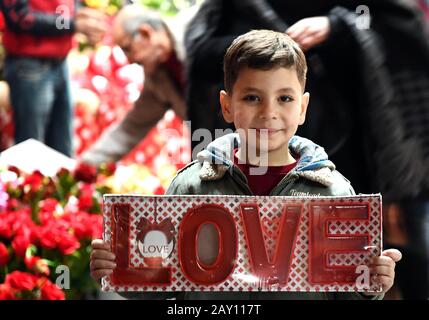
31	251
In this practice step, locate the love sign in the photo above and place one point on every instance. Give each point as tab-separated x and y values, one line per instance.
261	243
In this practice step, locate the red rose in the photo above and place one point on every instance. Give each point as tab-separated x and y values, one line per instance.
68	244
87	226
34	180
63	172
48	205
5	229
47	210
41	267
22	228
4	254
35	235
6	292
20	222
81	230
48	238
50	291
30	262
86	173
13	204
21	280
111	168
96	224
20	244
37	265
45	217
85	201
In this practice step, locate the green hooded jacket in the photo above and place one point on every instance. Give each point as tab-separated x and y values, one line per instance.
214	173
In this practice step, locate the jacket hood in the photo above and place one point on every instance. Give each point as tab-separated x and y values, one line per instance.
313	163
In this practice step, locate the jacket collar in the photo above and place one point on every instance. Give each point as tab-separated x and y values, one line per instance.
313	163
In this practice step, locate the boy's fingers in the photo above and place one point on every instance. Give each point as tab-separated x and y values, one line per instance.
102	264
103	255
395	254
100	273
99	244
383	270
383	261
385	281
371	293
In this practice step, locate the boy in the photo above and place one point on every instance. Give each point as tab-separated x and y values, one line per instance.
264	80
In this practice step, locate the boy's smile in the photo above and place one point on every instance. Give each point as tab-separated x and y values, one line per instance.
266	107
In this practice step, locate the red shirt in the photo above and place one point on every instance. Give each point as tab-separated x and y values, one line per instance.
34	28
261	185
175	68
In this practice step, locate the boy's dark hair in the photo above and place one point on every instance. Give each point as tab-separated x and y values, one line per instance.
264	50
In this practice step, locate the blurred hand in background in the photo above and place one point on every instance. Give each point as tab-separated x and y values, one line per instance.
309	32
92	23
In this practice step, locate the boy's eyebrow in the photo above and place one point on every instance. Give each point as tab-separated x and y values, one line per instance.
288	89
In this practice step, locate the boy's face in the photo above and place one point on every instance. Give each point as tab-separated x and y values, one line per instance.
266	99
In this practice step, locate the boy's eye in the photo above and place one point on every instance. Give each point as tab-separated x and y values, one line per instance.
251	98
285	99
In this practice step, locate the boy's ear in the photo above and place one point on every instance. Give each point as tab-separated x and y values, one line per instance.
304	104
225	103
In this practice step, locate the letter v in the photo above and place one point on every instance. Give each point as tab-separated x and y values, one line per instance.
277	270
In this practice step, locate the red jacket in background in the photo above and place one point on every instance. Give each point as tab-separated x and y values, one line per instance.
1	22
424	4
35	29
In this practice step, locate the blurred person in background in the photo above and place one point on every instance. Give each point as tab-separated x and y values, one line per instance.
37	38
157	45
424	5
369	79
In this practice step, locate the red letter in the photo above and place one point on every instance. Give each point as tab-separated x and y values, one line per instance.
123	274
192	267
277	270
323	243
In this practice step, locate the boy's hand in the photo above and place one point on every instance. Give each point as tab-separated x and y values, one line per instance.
102	260
309	32
382	269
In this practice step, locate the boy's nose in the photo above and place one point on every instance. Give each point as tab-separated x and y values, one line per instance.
268	111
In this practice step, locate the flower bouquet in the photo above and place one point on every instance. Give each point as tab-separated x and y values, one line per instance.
46	227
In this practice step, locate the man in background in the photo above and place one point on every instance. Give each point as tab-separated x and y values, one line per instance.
157	45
